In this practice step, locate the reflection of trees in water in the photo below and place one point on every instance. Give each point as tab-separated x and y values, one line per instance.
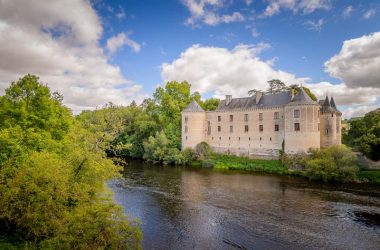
163	183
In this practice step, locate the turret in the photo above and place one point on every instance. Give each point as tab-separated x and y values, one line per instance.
330	123
193	125
301	123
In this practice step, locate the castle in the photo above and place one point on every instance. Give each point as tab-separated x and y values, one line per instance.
260	126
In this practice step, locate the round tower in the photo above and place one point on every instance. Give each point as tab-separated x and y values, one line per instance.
330	124
193	125
301	124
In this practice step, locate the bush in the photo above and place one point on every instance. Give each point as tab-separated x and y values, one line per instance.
202	150
337	163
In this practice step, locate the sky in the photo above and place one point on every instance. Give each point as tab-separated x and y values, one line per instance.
95	52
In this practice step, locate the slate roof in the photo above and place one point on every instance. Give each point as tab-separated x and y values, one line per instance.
266	101
302	98
193	107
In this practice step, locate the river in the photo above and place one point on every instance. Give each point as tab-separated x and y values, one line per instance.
190	208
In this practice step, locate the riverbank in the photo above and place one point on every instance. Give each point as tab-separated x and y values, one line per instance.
232	162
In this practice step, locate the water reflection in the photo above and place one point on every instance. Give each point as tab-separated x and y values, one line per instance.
203	209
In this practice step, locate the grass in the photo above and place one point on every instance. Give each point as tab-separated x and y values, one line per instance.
372	176
221	161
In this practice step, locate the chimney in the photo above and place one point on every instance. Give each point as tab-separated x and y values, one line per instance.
259	94
228	99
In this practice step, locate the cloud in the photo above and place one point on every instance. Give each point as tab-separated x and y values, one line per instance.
121	13
347	11
304	6
358	62
205	11
61	47
359	111
369	13
116	42
220	71
314	25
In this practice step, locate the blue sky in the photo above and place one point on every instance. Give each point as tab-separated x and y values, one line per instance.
301	50
99	51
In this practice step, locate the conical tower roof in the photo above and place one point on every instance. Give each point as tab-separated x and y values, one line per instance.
332	103
302	98
193	107
326	106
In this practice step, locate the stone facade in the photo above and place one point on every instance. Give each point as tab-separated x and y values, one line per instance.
261	125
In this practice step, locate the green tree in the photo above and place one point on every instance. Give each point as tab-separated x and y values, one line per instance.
364	135
52	176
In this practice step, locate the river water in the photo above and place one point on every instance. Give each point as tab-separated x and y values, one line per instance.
189	208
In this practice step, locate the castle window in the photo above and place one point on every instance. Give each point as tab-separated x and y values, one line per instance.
332	115
276	127
209	123
276	115
229	138
219	118
270	138
261	128
239	138
261	138
219	129
296	126
186	138
212	138
318	126
186	129
327	131
220	138
231	129
209	130
245	117
260	116
231	118
249	138
186	119
296	113
246	128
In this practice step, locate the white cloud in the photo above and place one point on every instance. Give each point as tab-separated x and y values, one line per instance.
358	62
343	94
314	25
220	71
369	13
206	11
118	41
358	111
121	13
347	11
61	47
304	6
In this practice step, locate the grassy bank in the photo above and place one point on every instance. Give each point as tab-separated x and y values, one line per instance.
231	162
372	176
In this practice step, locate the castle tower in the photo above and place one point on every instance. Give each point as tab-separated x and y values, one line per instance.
193	125
301	123
330	124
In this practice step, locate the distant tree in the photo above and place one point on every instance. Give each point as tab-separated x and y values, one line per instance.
210	104
276	86
364	135
252	92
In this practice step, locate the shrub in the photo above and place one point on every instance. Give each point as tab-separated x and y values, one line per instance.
337	163
202	150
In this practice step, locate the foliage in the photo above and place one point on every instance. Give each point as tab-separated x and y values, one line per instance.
52	176
202	150
364	135
210	104
157	149
371	175
337	163
277	86
222	161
